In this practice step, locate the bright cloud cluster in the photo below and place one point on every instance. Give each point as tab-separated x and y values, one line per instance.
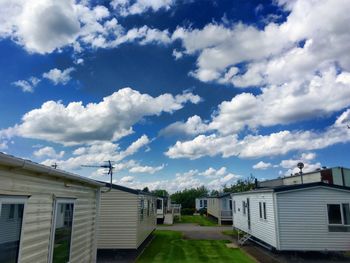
108	120
43	26
135	7
58	76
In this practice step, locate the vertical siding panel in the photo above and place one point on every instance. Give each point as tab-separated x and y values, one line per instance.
38	213
303	219
264	230
118	220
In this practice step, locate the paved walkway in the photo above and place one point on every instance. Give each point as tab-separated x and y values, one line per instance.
193	231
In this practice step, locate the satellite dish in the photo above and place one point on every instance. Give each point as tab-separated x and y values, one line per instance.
300	165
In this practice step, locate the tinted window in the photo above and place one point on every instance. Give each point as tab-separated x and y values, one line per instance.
334	214
346	214
63	232
10	231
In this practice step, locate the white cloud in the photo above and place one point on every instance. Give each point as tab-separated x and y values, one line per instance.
211	172
45	26
305	158
193	126
146	169
58	76
226	180
100	152
127	179
261	165
108	120
135	7
48	152
252	146
27	85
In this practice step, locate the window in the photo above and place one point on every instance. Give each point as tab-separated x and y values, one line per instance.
148	208
142	206
262	210
10	230
200	203
338	217
234	206
62	234
244	207
159	203
205	203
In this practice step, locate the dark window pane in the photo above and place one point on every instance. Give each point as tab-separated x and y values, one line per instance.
159	204
334	214
205	203
260	210
346	214
10	232
63	232
264	210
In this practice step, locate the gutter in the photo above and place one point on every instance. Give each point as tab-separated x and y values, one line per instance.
18	163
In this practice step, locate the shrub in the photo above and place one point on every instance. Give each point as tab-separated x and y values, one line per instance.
202	211
187	211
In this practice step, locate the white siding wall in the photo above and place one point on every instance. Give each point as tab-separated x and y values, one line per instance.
118	220
38	213
213	207
149	222
303	220
265	230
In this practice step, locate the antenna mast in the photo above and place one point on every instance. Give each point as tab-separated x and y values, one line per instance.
110	168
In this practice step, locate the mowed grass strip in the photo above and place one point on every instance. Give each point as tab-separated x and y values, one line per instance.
199	220
168	246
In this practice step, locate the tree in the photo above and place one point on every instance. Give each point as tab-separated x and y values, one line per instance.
241	185
187	197
160	192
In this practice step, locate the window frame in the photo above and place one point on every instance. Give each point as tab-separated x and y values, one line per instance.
22	200
56	202
341	214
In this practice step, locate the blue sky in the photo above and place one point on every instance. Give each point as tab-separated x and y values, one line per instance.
178	93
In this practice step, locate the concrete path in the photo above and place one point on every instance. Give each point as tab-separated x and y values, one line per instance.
193	231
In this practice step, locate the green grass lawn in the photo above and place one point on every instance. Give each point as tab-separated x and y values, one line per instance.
168	246
231	233
200	220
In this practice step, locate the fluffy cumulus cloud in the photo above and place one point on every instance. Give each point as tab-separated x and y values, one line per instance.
27	85
252	146
135	7
49	152
262	165
108	120
193	178
58	76
146	169
306	158
193	126
43	26
98	153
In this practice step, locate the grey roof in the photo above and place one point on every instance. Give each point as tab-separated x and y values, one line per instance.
283	188
15	162
126	189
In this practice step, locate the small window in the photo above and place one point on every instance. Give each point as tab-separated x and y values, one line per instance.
142	206
260	210
63	228
334	214
234	206
159	203
338	217
10	230
205	203
264	209
148	208
346	214
200	203
244	207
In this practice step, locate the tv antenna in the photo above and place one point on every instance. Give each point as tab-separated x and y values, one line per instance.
301	166
110	168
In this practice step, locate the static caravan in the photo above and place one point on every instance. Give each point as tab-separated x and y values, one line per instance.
220	207
46	215
201	203
127	218
335	175
304	217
